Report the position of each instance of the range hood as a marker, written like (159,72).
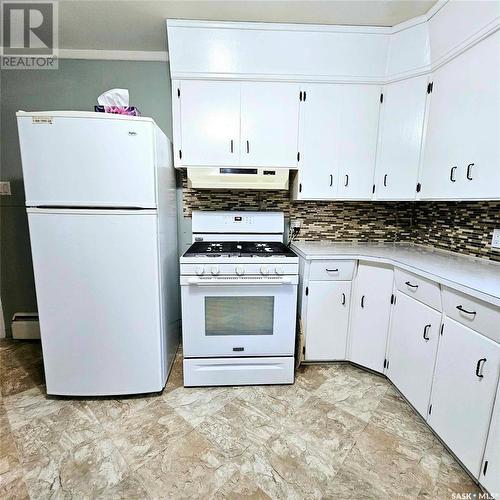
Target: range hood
(237,178)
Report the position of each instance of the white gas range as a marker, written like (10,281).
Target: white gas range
(239,298)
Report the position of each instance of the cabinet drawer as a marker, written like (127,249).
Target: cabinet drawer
(332,270)
(419,288)
(474,313)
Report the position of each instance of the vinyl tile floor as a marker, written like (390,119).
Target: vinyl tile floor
(338,432)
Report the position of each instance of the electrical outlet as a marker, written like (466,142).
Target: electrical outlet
(296,224)
(5,188)
(495,241)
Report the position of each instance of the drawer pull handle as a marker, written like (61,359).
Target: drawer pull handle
(410,285)
(385,180)
(331,180)
(461,309)
(479,367)
(426,331)
(232,146)
(452,174)
(469,171)
(363,301)
(343,299)
(346,180)
(332,270)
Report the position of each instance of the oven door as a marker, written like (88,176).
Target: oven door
(238,317)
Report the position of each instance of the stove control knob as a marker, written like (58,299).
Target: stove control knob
(279,270)
(240,270)
(264,270)
(215,270)
(200,270)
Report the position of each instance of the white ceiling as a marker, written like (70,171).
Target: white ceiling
(140,25)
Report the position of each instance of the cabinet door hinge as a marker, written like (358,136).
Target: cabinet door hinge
(178,92)
(373,188)
(307,290)
(180,154)
(381,97)
(430,409)
(298,156)
(300,187)
(485,467)
(300,95)
(419,187)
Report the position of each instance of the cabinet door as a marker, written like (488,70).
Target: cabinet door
(210,123)
(490,471)
(319,133)
(462,151)
(412,350)
(358,141)
(269,124)
(465,382)
(400,139)
(327,320)
(371,309)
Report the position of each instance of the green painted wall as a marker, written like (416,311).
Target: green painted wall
(74,86)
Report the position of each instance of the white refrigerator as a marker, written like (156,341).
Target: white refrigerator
(101,202)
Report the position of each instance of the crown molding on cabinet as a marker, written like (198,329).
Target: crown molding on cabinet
(113,55)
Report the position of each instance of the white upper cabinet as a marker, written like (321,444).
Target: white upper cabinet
(400,139)
(462,150)
(210,123)
(269,124)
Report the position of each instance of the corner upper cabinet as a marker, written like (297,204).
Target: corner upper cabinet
(400,139)
(462,152)
(231,123)
(209,123)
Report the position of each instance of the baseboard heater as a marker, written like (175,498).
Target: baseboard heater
(25,326)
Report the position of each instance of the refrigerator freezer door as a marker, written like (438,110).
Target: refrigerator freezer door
(87,162)
(97,284)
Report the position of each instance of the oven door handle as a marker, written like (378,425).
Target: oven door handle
(219,282)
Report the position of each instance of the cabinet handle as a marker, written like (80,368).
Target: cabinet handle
(452,174)
(479,367)
(407,283)
(346,180)
(385,180)
(461,309)
(232,149)
(469,171)
(332,270)
(363,301)
(426,331)
(248,146)
(331,180)
(343,299)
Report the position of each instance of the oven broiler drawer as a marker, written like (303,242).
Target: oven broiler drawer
(238,371)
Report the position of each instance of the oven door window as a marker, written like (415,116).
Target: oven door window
(239,316)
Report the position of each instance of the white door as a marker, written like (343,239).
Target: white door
(412,350)
(358,141)
(371,310)
(269,124)
(400,139)
(490,471)
(75,161)
(97,286)
(210,123)
(327,319)
(464,388)
(462,151)
(319,129)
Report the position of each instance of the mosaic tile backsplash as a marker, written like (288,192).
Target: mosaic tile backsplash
(464,227)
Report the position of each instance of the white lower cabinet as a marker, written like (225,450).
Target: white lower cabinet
(464,389)
(371,310)
(490,471)
(327,320)
(412,350)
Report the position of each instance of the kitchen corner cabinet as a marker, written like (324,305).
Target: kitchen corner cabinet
(337,141)
(371,310)
(490,470)
(400,139)
(412,349)
(462,151)
(233,123)
(327,320)
(465,383)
